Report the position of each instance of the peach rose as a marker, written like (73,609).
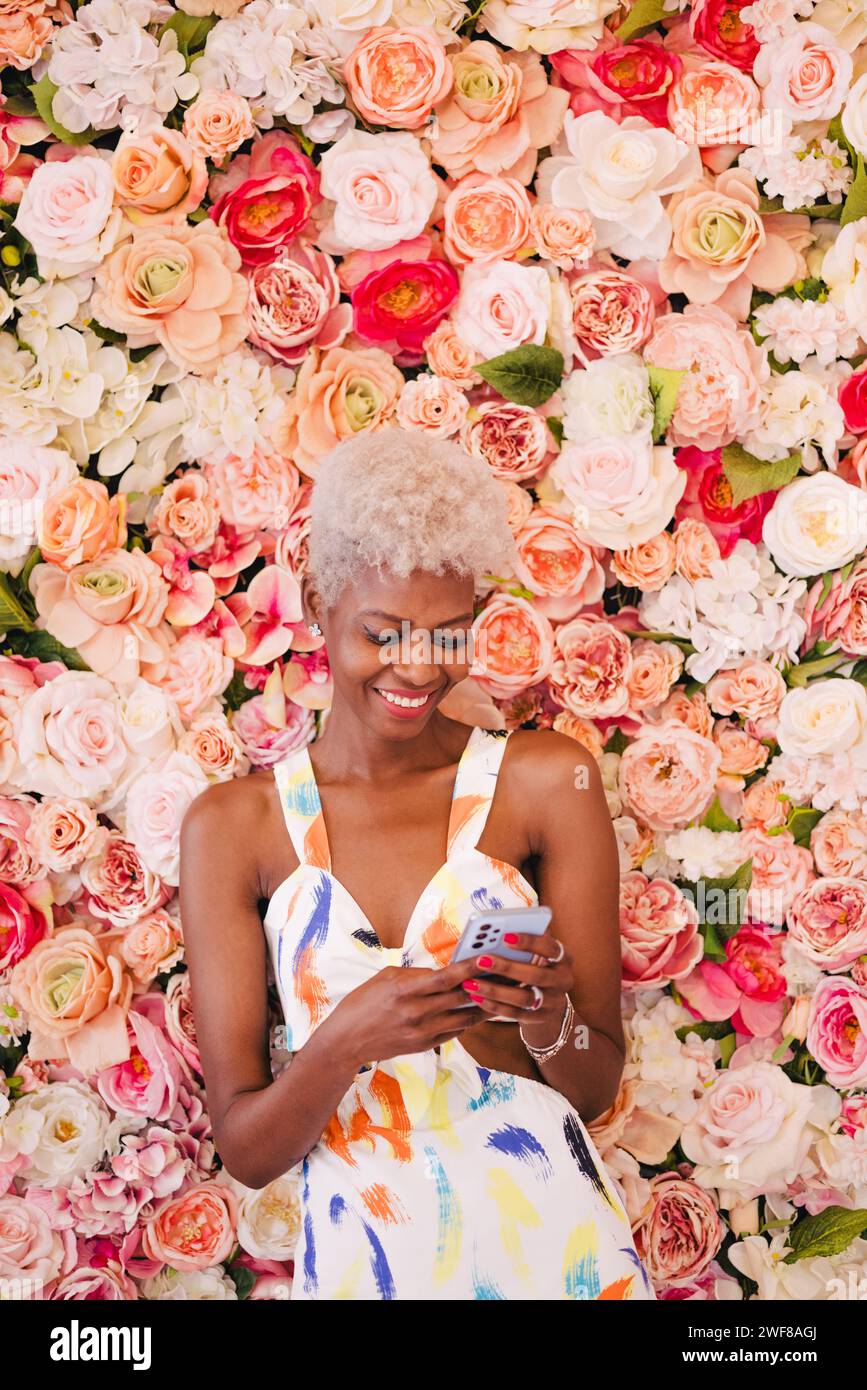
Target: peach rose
(63,831)
(450,357)
(691,710)
(111,610)
(648,565)
(564,236)
(197,670)
(433,404)
(680,1233)
(764,804)
(158,176)
(396,76)
(553,563)
(712,103)
(805,75)
(753,690)
(217,123)
(721,248)
(178,286)
(485,219)
(828,921)
(590,672)
(23,36)
(211,743)
(188,511)
(520,504)
(76,1000)
(584,731)
(196,1230)
(742,754)
(611,312)
(667,775)
(695,549)
(256,492)
(839,843)
(514,646)
(337,394)
(512,439)
(81,522)
(655,668)
(500,113)
(149,947)
(781,868)
(659,935)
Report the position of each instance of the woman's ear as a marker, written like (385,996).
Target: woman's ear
(311,604)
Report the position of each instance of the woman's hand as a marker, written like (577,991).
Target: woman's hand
(402,1010)
(550,972)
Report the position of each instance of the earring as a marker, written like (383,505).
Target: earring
(315,630)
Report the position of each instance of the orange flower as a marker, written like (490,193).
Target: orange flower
(80,523)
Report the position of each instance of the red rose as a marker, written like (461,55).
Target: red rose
(403,303)
(708,497)
(630,79)
(853,401)
(718,27)
(263,215)
(25,916)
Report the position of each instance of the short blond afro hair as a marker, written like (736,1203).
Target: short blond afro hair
(403,501)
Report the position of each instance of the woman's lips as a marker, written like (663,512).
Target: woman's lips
(406,704)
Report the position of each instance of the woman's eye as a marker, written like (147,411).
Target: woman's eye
(450,641)
(380,638)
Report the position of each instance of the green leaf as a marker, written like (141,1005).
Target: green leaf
(664,384)
(713,947)
(32,559)
(243,1279)
(831,211)
(808,670)
(237,693)
(749,476)
(108,335)
(829,1232)
(802,822)
(555,425)
(527,375)
(643,15)
(855,205)
(705,1029)
(191,31)
(726,1048)
(715,818)
(617,742)
(43,95)
(13,614)
(47,648)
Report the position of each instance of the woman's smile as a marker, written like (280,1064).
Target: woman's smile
(406,704)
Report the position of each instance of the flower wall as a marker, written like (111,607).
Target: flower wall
(620,253)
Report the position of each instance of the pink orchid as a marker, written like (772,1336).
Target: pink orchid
(270,613)
(192,592)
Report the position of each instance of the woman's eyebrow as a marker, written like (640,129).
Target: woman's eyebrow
(447,622)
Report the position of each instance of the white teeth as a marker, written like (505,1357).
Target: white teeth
(404,700)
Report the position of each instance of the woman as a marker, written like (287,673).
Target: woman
(437,1111)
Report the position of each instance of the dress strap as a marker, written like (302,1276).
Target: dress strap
(302,809)
(474,790)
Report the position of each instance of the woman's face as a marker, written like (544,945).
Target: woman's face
(397,645)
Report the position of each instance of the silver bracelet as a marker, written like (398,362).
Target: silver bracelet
(544,1054)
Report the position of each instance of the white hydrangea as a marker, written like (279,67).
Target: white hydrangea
(745,607)
(774,19)
(800,172)
(111,70)
(57,380)
(704,853)
(610,396)
(234,411)
(260,53)
(180,1285)
(670,1074)
(795,329)
(799,411)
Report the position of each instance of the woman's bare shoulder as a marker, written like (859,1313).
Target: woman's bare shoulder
(230,813)
(540,759)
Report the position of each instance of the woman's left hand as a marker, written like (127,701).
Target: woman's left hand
(550,972)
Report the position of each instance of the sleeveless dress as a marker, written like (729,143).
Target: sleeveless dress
(436,1177)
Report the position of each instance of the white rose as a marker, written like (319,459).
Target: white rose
(70,742)
(349,14)
(269,1218)
(610,396)
(445,16)
(845,19)
(177,1286)
(844,270)
(855,115)
(149,720)
(619,173)
(825,717)
(29,474)
(63,1129)
(155,807)
(624,489)
(816,524)
(67,215)
(546,25)
(501,306)
(383,188)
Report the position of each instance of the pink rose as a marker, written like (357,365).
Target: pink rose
(781,868)
(117,887)
(383,189)
(681,1231)
(611,313)
(502,305)
(28,474)
(591,665)
(749,987)
(659,935)
(828,921)
(554,564)
(805,75)
(25,918)
(148,1083)
(433,404)
(295,303)
(837,1031)
(486,219)
(667,775)
(264,742)
(711,103)
(67,214)
(839,843)
(29,1247)
(193,1231)
(512,439)
(400,305)
(256,492)
(155,806)
(70,739)
(719,396)
(196,671)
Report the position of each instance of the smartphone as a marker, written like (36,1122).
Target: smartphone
(484,932)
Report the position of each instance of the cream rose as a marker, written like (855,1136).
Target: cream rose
(623,488)
(383,189)
(817,523)
(501,306)
(823,718)
(67,215)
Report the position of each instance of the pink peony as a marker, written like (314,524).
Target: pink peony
(659,935)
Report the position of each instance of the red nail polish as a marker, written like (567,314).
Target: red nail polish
(470,986)
(485,962)
(510,938)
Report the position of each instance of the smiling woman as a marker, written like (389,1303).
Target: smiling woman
(441,1154)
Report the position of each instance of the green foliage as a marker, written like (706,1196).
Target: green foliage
(829,1232)
(528,375)
(749,476)
(643,15)
(664,385)
(43,96)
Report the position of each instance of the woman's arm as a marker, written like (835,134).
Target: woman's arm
(262,1127)
(579,878)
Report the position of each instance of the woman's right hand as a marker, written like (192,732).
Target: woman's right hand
(403,1009)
